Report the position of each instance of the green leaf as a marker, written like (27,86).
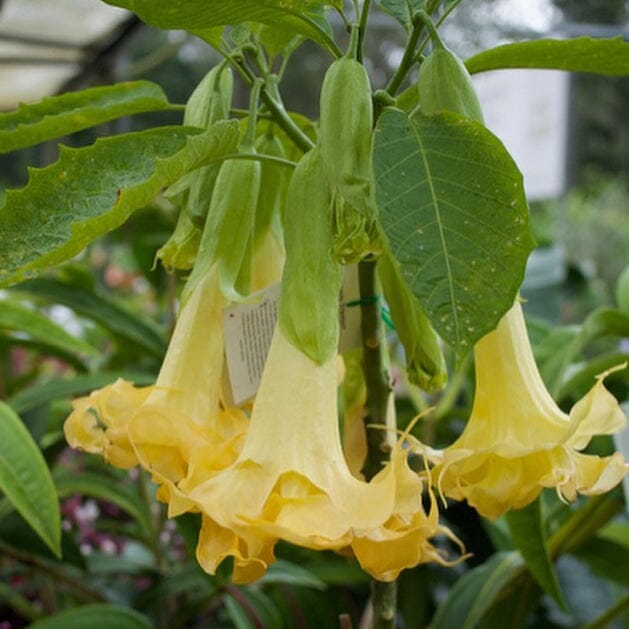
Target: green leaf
(288,573)
(582,376)
(25,479)
(402,10)
(125,324)
(60,388)
(581,54)
(189,581)
(90,191)
(105,488)
(278,39)
(474,593)
(527,533)
(236,613)
(453,207)
(56,116)
(605,558)
(198,15)
(15,316)
(564,345)
(97,616)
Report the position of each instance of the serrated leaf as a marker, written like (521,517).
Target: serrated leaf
(527,533)
(123,323)
(97,616)
(453,207)
(15,316)
(56,116)
(59,388)
(581,54)
(25,479)
(100,486)
(198,15)
(92,190)
(474,593)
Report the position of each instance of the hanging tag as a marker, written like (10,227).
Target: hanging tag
(248,328)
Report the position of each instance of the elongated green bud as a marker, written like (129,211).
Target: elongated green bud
(229,226)
(180,250)
(345,139)
(425,363)
(208,103)
(232,211)
(308,308)
(273,185)
(444,82)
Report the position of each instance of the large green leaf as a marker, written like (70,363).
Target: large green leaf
(453,207)
(25,479)
(16,316)
(120,321)
(582,54)
(199,15)
(527,532)
(58,388)
(60,115)
(97,616)
(474,593)
(92,190)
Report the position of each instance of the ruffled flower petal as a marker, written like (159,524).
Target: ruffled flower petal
(517,440)
(291,482)
(98,422)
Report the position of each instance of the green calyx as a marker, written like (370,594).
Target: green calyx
(308,307)
(444,83)
(425,364)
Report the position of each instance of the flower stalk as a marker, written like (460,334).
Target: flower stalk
(378,385)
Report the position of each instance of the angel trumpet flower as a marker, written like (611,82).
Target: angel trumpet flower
(178,425)
(291,482)
(517,440)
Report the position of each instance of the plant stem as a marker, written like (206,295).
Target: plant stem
(275,107)
(259,157)
(408,59)
(375,370)
(282,118)
(362,28)
(384,603)
(378,385)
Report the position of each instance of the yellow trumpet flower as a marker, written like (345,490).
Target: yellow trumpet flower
(98,422)
(291,482)
(179,429)
(517,440)
(178,426)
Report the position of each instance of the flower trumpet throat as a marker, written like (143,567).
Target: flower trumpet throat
(179,429)
(291,482)
(517,440)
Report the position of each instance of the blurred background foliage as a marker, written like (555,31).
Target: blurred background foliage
(118,546)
